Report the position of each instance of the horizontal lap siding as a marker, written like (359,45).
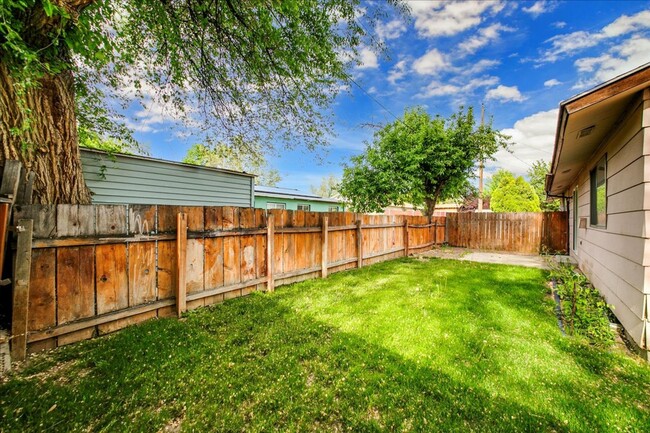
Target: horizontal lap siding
(615,258)
(128,180)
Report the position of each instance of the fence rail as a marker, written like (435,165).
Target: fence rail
(97,268)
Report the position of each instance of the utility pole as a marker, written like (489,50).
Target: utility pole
(480,170)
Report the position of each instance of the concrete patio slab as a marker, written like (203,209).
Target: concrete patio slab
(503,258)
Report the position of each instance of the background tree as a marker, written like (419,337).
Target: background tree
(328,187)
(514,194)
(499,176)
(419,160)
(223,156)
(93,140)
(266,71)
(537,178)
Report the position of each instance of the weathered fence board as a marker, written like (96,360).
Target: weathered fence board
(96,269)
(530,233)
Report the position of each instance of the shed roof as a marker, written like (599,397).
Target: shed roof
(289,193)
(585,121)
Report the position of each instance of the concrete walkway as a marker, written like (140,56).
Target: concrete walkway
(503,258)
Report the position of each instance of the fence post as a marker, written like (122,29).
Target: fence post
(406,238)
(270,237)
(435,233)
(359,245)
(22,274)
(181,252)
(324,248)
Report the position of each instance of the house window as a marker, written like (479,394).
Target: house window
(271,205)
(305,207)
(333,209)
(598,193)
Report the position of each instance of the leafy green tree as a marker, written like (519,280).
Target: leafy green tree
(514,195)
(500,176)
(223,156)
(419,160)
(93,140)
(264,70)
(537,178)
(328,186)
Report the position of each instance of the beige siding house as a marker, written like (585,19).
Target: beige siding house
(601,166)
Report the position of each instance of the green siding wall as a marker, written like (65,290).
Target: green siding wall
(292,204)
(123,179)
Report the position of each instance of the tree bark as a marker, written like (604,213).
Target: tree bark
(50,146)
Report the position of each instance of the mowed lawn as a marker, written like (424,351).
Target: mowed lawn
(407,345)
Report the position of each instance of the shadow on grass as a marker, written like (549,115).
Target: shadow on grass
(258,364)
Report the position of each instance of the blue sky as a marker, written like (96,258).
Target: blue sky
(520,59)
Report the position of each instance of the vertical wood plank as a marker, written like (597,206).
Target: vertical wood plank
(75,220)
(181,248)
(111,220)
(21,298)
(324,248)
(111,279)
(142,219)
(359,245)
(142,273)
(43,215)
(75,289)
(270,254)
(166,275)
(406,237)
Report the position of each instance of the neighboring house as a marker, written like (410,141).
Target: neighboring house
(601,167)
(130,179)
(267,197)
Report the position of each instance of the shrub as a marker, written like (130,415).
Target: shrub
(584,311)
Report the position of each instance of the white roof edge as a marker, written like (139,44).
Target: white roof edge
(166,161)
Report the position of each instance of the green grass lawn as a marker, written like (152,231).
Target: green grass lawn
(407,345)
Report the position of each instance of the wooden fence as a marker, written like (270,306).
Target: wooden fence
(88,270)
(516,232)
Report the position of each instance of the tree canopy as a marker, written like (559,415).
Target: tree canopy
(537,178)
(258,70)
(419,160)
(512,194)
(328,186)
(223,156)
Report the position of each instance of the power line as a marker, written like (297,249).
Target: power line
(376,101)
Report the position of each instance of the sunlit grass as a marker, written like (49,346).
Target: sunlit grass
(407,345)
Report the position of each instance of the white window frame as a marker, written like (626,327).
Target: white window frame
(275,205)
(302,205)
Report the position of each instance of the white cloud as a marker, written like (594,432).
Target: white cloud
(505,94)
(437,88)
(483,37)
(627,24)
(478,67)
(540,7)
(569,44)
(433,19)
(552,83)
(433,62)
(368,59)
(533,138)
(559,24)
(390,30)
(631,54)
(397,72)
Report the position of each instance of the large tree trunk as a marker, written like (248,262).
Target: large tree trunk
(49,147)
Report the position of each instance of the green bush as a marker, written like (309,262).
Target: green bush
(584,311)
